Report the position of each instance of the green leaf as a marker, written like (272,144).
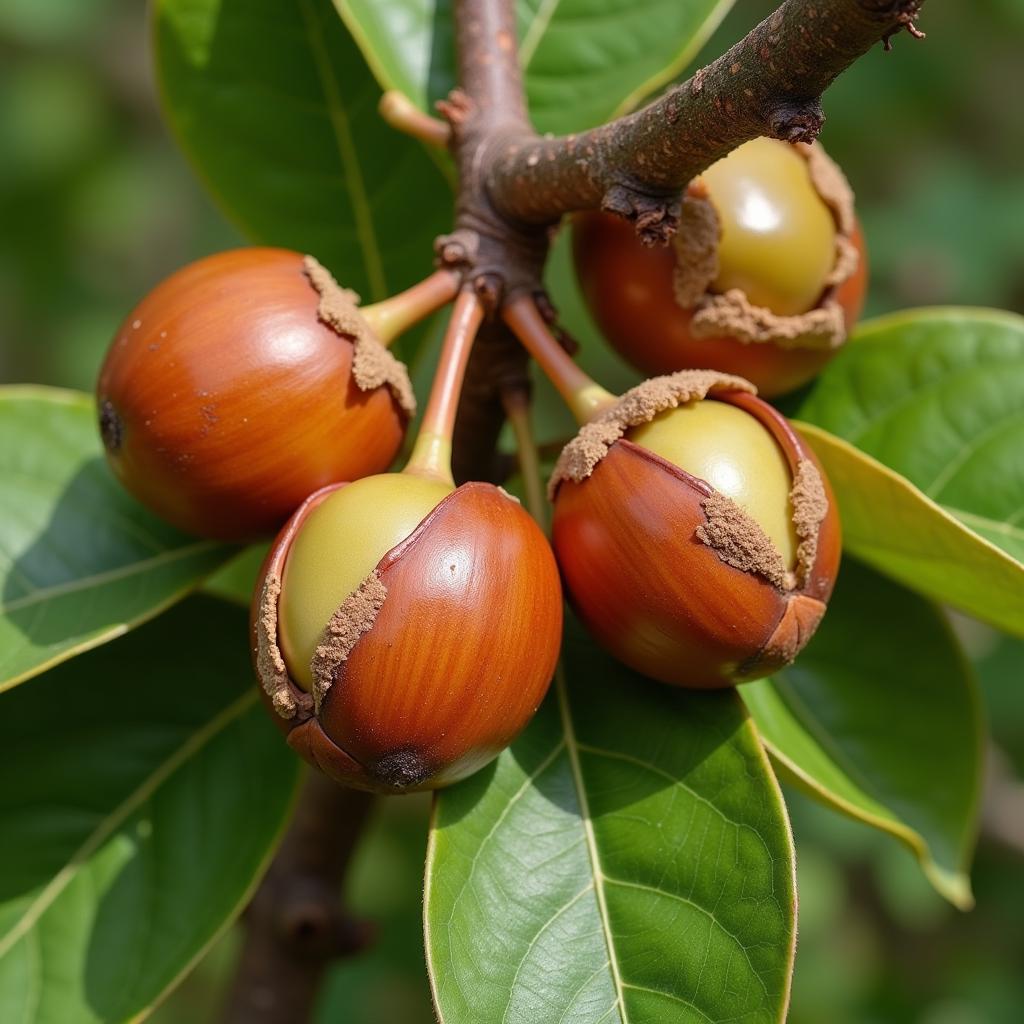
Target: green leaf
(408,44)
(237,580)
(879,718)
(145,790)
(938,396)
(588,61)
(275,106)
(584,61)
(80,561)
(627,859)
(891,525)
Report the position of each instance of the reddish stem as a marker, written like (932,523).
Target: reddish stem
(582,394)
(392,317)
(432,453)
(402,114)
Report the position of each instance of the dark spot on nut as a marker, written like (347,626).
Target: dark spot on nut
(111,427)
(401,769)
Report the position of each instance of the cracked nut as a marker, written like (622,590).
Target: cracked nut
(764,277)
(696,534)
(404,631)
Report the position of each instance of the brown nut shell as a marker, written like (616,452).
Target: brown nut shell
(665,602)
(458,657)
(225,400)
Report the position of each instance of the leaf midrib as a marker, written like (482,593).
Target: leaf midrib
(572,748)
(535,33)
(118,815)
(995,525)
(968,450)
(108,576)
(927,391)
(346,154)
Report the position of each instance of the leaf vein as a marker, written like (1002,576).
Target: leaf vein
(536,938)
(347,154)
(118,815)
(710,914)
(968,451)
(572,745)
(166,557)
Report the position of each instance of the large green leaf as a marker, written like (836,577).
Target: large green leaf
(891,525)
(277,109)
(879,718)
(144,790)
(627,859)
(80,561)
(584,61)
(938,396)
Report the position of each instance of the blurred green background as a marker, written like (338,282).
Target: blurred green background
(97,204)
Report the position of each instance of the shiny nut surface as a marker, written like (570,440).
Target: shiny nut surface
(458,657)
(661,600)
(224,401)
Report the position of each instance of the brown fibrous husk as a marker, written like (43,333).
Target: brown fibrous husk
(810,506)
(287,699)
(638,405)
(373,366)
(696,248)
(354,617)
(738,540)
(831,184)
(732,314)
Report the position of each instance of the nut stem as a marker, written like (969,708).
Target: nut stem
(432,452)
(391,317)
(583,395)
(403,115)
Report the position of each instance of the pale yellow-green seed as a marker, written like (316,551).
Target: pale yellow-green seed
(338,546)
(778,236)
(732,451)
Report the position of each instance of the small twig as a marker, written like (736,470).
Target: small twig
(403,115)
(584,397)
(296,925)
(490,78)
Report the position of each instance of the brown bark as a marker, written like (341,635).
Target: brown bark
(488,60)
(296,925)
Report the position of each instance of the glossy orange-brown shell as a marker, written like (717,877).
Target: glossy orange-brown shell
(653,594)
(458,658)
(629,291)
(233,402)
